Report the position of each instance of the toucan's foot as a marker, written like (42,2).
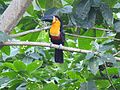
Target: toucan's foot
(51,44)
(60,46)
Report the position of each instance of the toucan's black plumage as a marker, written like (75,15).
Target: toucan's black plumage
(57,35)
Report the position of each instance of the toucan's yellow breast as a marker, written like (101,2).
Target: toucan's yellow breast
(55,28)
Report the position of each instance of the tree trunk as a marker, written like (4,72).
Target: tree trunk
(11,16)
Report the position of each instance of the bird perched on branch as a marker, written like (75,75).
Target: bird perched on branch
(56,34)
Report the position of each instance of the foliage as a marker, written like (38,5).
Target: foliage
(33,68)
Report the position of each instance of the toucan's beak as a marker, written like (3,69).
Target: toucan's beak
(47,18)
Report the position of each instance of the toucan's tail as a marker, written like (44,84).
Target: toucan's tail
(59,56)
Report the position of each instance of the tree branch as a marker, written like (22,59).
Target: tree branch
(29,31)
(12,14)
(48,27)
(109,78)
(74,35)
(44,44)
(101,29)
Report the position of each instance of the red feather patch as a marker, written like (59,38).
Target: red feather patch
(55,37)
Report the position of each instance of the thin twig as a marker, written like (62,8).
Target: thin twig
(116,53)
(44,44)
(74,35)
(29,31)
(109,78)
(101,29)
(45,28)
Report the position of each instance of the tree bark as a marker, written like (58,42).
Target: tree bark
(44,44)
(11,16)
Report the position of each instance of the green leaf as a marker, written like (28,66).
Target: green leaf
(30,9)
(105,48)
(74,75)
(107,14)
(19,65)
(108,58)
(34,86)
(90,85)
(112,71)
(117,26)
(89,22)
(117,87)
(50,86)
(3,6)
(95,3)
(116,42)
(27,23)
(71,43)
(34,65)
(9,65)
(93,66)
(10,74)
(85,43)
(102,84)
(81,8)
(43,36)
(41,3)
(52,11)
(111,3)
(89,56)
(63,67)
(53,3)
(6,50)
(66,9)
(35,56)
(69,1)
(14,83)
(3,82)
(22,86)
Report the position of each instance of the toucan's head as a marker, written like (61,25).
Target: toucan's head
(50,18)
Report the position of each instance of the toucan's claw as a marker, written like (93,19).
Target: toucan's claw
(60,46)
(51,44)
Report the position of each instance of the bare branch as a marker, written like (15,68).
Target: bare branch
(118,53)
(101,29)
(29,31)
(12,14)
(74,35)
(21,43)
(44,44)
(48,27)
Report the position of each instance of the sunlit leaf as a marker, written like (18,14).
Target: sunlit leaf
(6,50)
(50,86)
(9,65)
(34,65)
(19,65)
(34,86)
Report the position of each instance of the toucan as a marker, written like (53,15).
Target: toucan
(56,34)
